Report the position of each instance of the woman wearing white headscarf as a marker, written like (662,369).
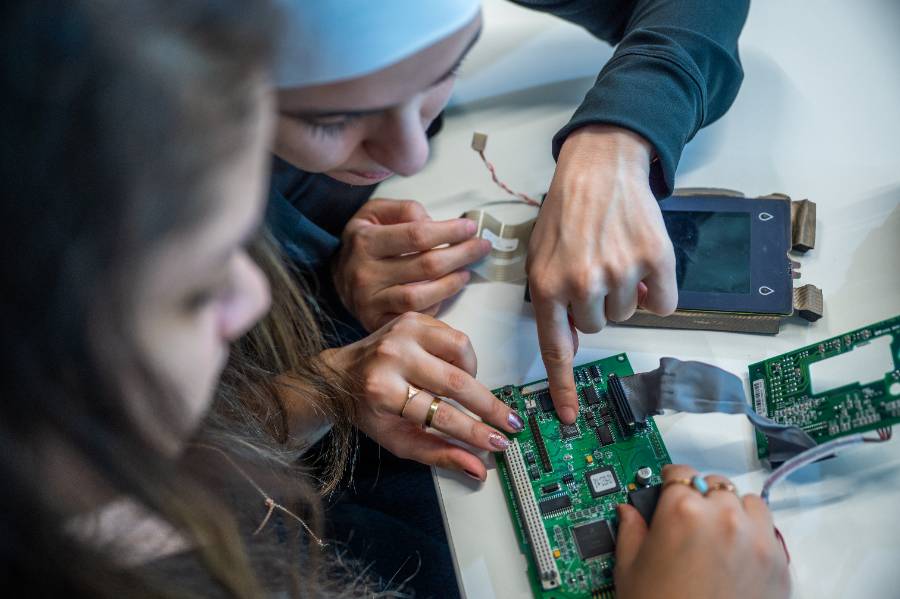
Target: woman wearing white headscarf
(360,85)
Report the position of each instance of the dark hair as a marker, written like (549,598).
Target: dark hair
(113,114)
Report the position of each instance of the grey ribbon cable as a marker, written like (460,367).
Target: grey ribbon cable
(701,388)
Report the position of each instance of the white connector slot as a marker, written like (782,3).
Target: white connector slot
(531,517)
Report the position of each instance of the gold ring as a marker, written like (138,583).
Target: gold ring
(721,486)
(696,482)
(410,393)
(432,410)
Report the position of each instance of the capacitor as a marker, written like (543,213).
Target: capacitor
(643,476)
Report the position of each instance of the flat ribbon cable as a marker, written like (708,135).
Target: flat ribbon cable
(509,246)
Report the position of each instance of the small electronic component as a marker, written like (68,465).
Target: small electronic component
(596,372)
(837,387)
(533,473)
(590,396)
(568,431)
(530,459)
(644,476)
(553,505)
(602,481)
(568,479)
(604,435)
(594,539)
(588,459)
(546,401)
(539,443)
(551,488)
(644,500)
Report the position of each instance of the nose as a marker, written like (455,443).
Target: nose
(399,142)
(250,299)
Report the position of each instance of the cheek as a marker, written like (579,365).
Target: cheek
(297,144)
(435,101)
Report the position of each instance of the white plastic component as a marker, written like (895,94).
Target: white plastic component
(531,518)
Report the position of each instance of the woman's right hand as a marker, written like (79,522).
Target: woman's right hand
(715,546)
(419,351)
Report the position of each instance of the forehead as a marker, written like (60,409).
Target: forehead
(390,86)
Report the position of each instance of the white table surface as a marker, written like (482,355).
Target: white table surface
(818,116)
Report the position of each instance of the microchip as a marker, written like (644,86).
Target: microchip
(594,539)
(534,474)
(568,431)
(644,500)
(595,372)
(546,401)
(530,459)
(552,488)
(588,415)
(568,479)
(555,504)
(602,481)
(604,435)
(590,396)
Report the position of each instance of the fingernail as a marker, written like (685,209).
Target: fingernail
(473,475)
(567,414)
(515,421)
(780,537)
(486,246)
(498,441)
(470,226)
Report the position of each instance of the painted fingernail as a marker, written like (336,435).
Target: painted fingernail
(515,421)
(486,246)
(498,440)
(473,475)
(470,226)
(780,537)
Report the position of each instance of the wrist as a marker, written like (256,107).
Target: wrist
(608,146)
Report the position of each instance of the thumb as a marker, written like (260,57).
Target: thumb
(632,530)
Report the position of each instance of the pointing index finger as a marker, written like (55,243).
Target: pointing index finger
(557,351)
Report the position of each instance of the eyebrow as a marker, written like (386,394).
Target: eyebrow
(314,114)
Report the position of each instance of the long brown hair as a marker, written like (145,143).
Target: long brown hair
(114,116)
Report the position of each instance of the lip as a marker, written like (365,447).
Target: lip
(371,176)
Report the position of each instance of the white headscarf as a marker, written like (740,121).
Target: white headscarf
(323,41)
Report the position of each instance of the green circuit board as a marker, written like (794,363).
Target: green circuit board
(562,483)
(840,386)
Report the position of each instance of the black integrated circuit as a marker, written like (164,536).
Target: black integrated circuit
(553,505)
(594,539)
(569,431)
(591,397)
(539,443)
(624,413)
(595,372)
(603,435)
(545,400)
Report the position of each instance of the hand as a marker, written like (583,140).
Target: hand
(700,547)
(598,243)
(387,264)
(415,349)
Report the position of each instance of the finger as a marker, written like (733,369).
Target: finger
(450,421)
(641,294)
(761,517)
(419,297)
(410,442)
(589,316)
(451,345)
(435,263)
(676,472)
(557,351)
(387,212)
(662,288)
(632,531)
(441,378)
(720,496)
(399,239)
(622,300)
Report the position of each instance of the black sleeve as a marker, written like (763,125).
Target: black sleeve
(675,69)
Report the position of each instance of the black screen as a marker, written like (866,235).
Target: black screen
(712,250)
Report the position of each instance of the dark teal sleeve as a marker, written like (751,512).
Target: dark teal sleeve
(675,69)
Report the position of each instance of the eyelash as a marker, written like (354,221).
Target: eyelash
(332,129)
(209,294)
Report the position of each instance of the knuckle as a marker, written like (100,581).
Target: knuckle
(555,356)
(408,299)
(417,237)
(688,509)
(387,348)
(443,417)
(732,522)
(432,265)
(408,320)
(456,380)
